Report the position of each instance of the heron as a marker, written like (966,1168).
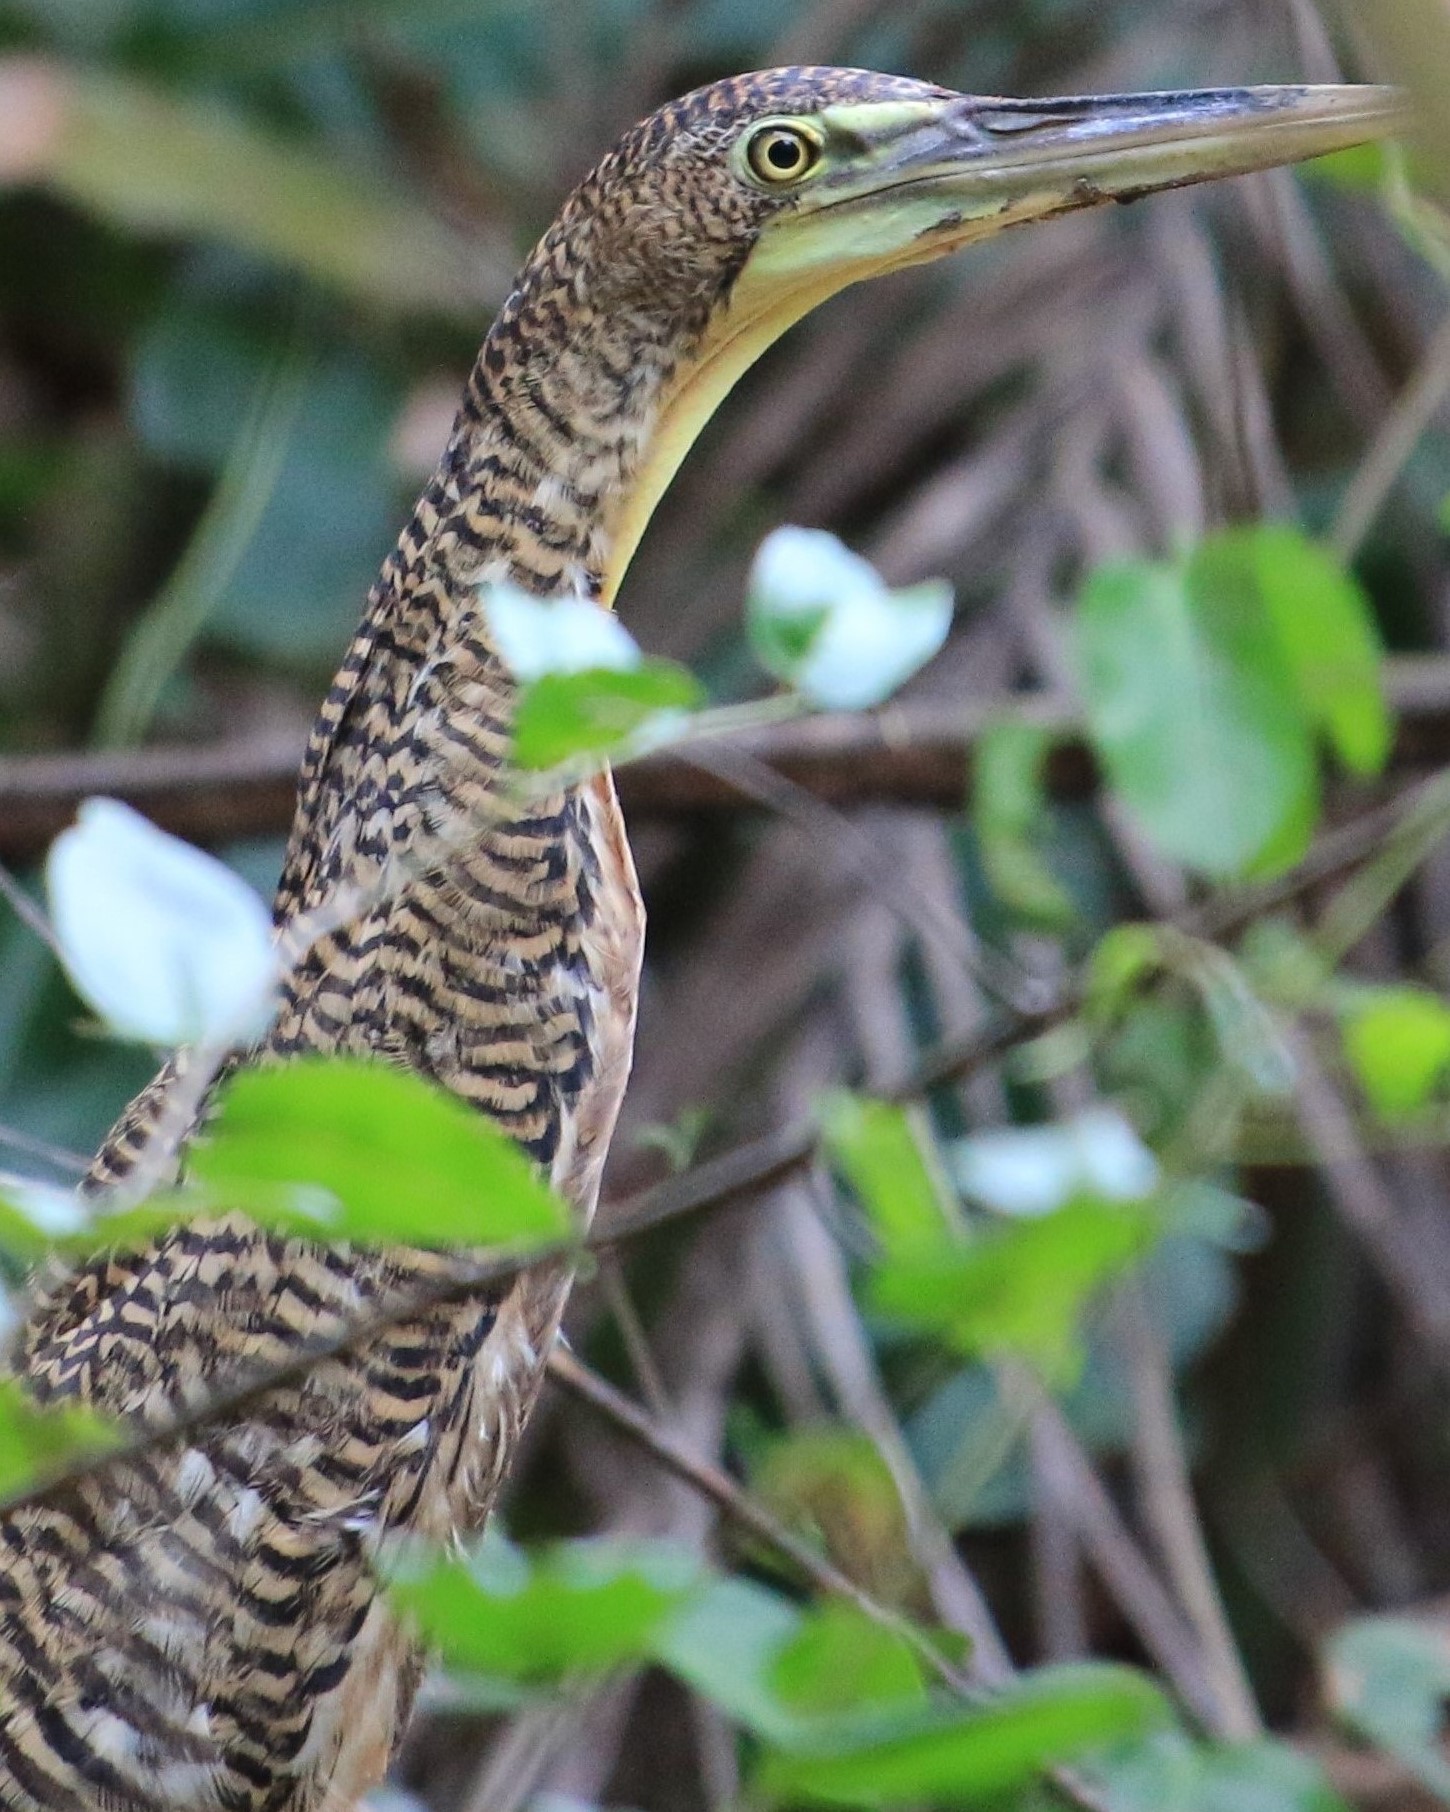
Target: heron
(199,1626)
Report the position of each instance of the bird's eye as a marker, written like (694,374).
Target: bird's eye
(781,154)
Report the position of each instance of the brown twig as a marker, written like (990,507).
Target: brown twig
(26,910)
(1166,1493)
(747,1513)
(1065,1472)
(911,753)
(1364,1200)
(933,922)
(633,1333)
(1389,452)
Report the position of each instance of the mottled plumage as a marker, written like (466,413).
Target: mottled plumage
(199,1629)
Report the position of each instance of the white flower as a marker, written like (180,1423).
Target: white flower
(800,570)
(823,619)
(166,943)
(556,635)
(1035,1170)
(51,1210)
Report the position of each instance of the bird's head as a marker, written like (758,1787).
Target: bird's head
(727,215)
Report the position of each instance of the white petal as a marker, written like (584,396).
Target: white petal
(165,942)
(1113,1160)
(1035,1170)
(1023,1170)
(52,1211)
(870,644)
(799,570)
(556,635)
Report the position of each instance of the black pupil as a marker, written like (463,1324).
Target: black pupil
(783,153)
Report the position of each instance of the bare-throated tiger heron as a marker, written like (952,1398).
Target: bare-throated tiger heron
(198,1628)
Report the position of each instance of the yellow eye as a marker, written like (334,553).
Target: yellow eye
(781,154)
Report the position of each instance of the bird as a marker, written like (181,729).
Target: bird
(198,1626)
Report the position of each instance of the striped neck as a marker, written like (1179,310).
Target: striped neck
(555,424)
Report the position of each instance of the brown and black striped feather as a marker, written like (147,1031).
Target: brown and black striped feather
(198,1629)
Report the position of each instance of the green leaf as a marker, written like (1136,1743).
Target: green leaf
(966,1438)
(34,1217)
(842,1661)
(1398,1042)
(138,157)
(361,1151)
(1326,628)
(130,1229)
(1246,1031)
(886,1154)
(726,1642)
(1363,169)
(37,1219)
(831,1483)
(1171,1773)
(1121,961)
(779,1672)
(36,1443)
(1018,1289)
(1389,1679)
(1009,811)
(960,1755)
(566,715)
(1195,714)
(578,1607)
(1284,964)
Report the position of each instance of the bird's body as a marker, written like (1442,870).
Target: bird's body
(501,958)
(198,1628)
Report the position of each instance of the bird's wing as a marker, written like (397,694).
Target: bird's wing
(227,1603)
(137,1332)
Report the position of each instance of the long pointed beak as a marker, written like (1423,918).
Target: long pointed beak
(919,179)
(1117,147)
(902,182)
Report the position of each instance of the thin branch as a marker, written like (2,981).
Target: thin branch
(162,636)
(1399,434)
(634,1334)
(747,1513)
(1058,1571)
(1419,811)
(56,1156)
(1066,1473)
(26,910)
(241,788)
(931,921)
(827,1315)
(913,753)
(511,1774)
(1169,1509)
(1365,1202)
